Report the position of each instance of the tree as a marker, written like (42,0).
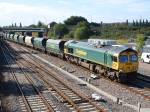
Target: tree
(20,25)
(81,33)
(52,24)
(137,23)
(95,24)
(147,23)
(122,41)
(74,20)
(143,23)
(40,24)
(15,24)
(101,23)
(127,22)
(70,35)
(33,26)
(83,24)
(140,41)
(140,24)
(60,30)
(133,23)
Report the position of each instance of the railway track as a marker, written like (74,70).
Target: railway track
(23,99)
(66,94)
(142,86)
(137,89)
(34,99)
(144,78)
(28,103)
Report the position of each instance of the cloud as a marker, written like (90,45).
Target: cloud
(139,7)
(28,14)
(95,10)
(113,2)
(111,10)
(64,2)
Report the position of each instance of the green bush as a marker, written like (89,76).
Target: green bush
(140,41)
(60,30)
(81,33)
(74,20)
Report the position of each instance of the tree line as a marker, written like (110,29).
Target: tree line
(141,23)
(78,27)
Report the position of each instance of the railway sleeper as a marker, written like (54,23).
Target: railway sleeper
(76,100)
(58,97)
(70,107)
(87,105)
(81,101)
(88,108)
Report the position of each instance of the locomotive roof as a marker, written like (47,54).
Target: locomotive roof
(110,49)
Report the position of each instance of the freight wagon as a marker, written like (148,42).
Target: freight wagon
(21,40)
(40,43)
(16,38)
(55,47)
(29,41)
(11,37)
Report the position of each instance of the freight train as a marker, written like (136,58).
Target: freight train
(117,63)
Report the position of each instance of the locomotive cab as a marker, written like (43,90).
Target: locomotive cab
(128,61)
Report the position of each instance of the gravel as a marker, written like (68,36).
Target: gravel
(106,103)
(8,89)
(82,73)
(101,83)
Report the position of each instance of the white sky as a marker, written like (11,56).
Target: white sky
(30,12)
